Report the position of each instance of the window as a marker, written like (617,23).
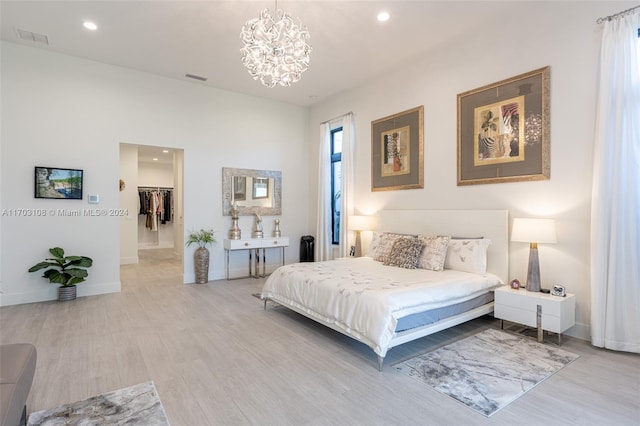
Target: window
(336,183)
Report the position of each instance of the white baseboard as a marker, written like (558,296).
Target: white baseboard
(51,293)
(580,331)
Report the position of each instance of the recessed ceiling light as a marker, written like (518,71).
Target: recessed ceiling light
(155,159)
(383,16)
(165,151)
(90,25)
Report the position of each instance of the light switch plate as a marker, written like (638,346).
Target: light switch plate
(94,199)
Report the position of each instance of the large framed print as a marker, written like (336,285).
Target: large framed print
(397,152)
(53,182)
(503,130)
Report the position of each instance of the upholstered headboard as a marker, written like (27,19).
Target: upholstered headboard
(492,224)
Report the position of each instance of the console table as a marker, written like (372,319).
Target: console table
(254,246)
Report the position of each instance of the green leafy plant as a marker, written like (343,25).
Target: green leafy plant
(65,270)
(202,238)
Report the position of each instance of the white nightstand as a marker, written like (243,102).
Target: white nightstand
(533,309)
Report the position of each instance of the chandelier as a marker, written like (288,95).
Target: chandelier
(275,48)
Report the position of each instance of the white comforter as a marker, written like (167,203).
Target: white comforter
(365,299)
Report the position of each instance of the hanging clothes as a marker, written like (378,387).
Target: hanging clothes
(157,205)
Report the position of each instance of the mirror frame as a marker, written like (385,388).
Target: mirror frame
(227,187)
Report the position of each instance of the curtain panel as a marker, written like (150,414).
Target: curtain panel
(615,212)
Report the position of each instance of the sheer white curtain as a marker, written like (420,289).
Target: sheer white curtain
(346,200)
(323,226)
(615,212)
(324,247)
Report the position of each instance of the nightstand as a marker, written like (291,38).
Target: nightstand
(533,309)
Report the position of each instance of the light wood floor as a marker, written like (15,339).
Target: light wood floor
(218,358)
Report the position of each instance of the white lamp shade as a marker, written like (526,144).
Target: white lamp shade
(533,230)
(360,223)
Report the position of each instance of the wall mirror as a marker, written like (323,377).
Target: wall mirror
(253,191)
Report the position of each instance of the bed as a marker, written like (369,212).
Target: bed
(383,305)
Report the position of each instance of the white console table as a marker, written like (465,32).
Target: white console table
(254,246)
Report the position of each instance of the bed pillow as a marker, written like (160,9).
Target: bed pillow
(405,252)
(373,245)
(469,255)
(434,253)
(383,249)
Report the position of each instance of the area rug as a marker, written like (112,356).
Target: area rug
(135,405)
(489,370)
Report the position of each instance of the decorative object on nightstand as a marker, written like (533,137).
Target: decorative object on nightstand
(533,231)
(558,290)
(276,228)
(359,224)
(234,233)
(515,284)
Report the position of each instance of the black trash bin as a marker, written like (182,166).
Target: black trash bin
(306,248)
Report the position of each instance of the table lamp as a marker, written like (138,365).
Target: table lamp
(533,231)
(359,224)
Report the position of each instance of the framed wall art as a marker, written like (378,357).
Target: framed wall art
(53,182)
(397,152)
(503,131)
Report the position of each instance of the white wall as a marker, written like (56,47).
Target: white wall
(63,111)
(129,202)
(563,36)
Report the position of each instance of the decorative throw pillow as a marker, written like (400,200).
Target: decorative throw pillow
(384,246)
(405,252)
(373,245)
(434,253)
(468,255)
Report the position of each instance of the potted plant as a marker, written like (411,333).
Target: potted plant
(202,238)
(65,270)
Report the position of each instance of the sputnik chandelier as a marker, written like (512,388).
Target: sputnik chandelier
(276,49)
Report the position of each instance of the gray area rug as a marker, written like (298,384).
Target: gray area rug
(489,370)
(135,405)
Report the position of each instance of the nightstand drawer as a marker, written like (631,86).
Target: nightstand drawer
(550,304)
(528,318)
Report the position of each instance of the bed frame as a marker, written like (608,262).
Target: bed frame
(492,224)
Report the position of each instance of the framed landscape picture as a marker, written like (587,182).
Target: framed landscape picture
(503,131)
(52,182)
(397,152)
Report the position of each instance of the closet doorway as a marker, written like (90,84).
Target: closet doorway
(152,235)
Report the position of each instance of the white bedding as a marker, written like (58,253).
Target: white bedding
(365,299)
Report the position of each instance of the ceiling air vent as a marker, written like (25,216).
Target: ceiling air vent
(32,37)
(196,77)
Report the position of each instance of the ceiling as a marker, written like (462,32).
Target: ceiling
(173,38)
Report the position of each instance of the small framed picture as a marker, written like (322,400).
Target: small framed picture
(57,183)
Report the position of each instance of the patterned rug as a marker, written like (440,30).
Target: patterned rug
(135,405)
(489,370)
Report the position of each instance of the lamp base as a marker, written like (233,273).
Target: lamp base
(358,245)
(533,273)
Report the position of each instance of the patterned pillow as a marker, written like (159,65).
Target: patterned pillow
(384,246)
(405,252)
(434,253)
(468,255)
